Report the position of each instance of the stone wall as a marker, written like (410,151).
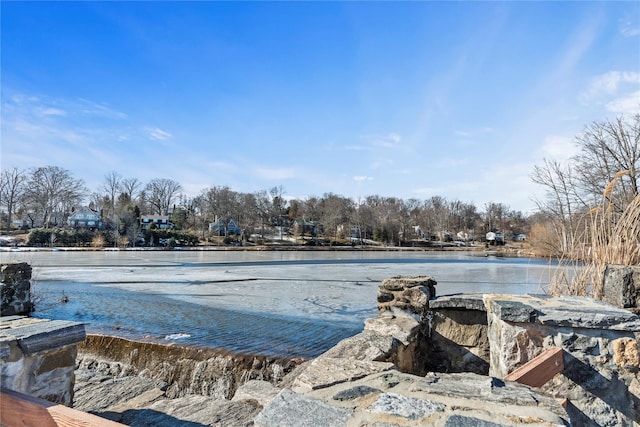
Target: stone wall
(37,356)
(15,287)
(600,343)
(493,335)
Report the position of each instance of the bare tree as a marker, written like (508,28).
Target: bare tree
(561,200)
(336,212)
(112,187)
(131,187)
(278,204)
(437,215)
(608,150)
(52,192)
(12,188)
(161,192)
(220,203)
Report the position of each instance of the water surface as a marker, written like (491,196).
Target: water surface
(278,303)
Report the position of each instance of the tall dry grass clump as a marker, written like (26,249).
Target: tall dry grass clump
(98,241)
(611,236)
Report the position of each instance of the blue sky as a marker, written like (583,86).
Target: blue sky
(406,99)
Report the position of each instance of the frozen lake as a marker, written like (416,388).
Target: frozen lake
(278,303)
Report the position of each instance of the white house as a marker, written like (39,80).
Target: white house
(160,221)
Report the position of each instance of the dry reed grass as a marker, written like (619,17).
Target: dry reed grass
(609,237)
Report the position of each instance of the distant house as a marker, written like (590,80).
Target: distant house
(160,221)
(495,238)
(219,228)
(419,232)
(311,228)
(85,217)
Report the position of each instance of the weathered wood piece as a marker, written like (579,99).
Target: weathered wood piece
(21,410)
(537,371)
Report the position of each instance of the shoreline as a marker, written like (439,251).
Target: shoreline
(503,251)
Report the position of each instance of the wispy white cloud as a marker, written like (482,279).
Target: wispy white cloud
(629,25)
(157,133)
(610,83)
(96,109)
(362,178)
(627,105)
(50,111)
(78,135)
(376,141)
(559,148)
(615,91)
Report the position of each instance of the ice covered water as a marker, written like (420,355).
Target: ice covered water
(278,303)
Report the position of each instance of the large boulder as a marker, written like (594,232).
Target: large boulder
(621,286)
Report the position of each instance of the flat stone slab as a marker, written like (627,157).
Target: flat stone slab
(327,371)
(35,335)
(563,311)
(459,301)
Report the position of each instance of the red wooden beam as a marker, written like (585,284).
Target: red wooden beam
(537,371)
(21,410)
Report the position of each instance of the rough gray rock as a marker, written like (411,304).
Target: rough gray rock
(405,407)
(562,311)
(261,391)
(364,346)
(194,410)
(513,311)
(15,289)
(395,398)
(411,294)
(355,393)
(98,397)
(327,371)
(402,328)
(462,421)
(459,301)
(621,286)
(290,409)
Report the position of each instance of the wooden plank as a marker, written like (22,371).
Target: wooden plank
(20,410)
(537,371)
